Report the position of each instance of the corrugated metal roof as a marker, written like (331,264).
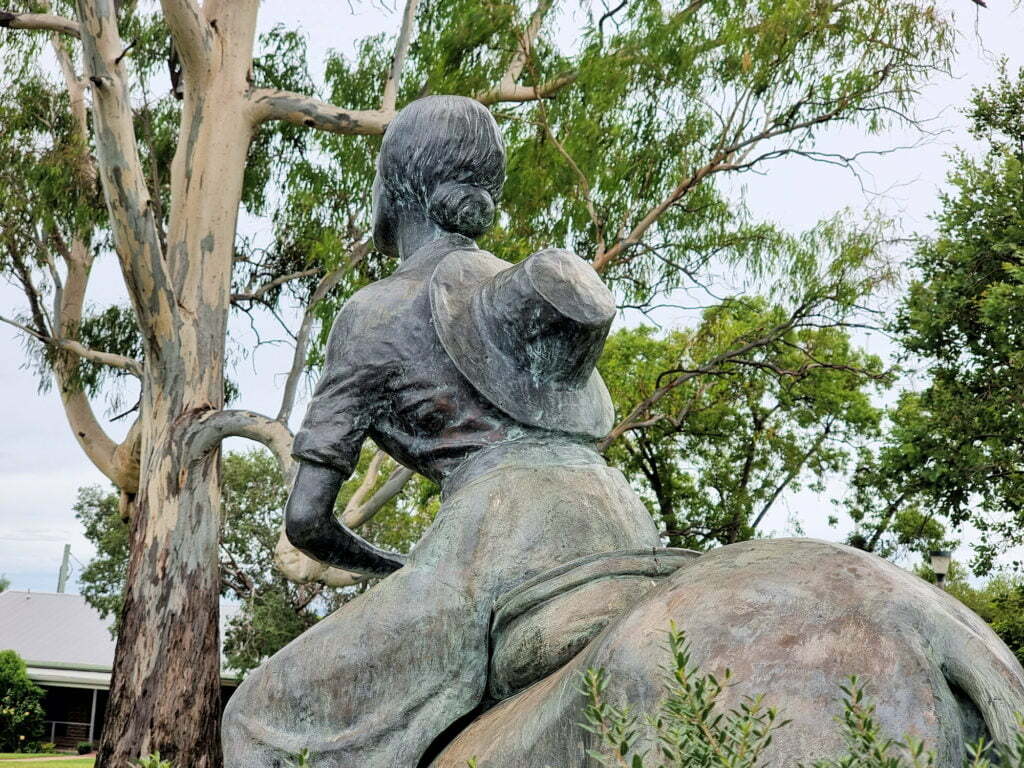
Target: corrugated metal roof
(45,627)
(62,631)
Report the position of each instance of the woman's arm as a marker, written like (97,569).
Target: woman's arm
(313,528)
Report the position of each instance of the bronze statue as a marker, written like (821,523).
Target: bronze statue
(542,561)
(479,375)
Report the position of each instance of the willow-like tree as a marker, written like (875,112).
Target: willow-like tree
(620,122)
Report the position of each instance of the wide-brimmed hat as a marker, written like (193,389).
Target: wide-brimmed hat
(528,336)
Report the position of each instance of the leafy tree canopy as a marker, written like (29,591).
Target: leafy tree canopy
(272,610)
(719,451)
(955,451)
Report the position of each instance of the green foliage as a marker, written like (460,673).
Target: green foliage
(4,582)
(638,121)
(102,580)
(718,451)
(272,610)
(688,729)
(869,747)
(655,92)
(84,747)
(154,761)
(648,109)
(955,450)
(21,711)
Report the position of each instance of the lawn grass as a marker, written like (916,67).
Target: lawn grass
(46,761)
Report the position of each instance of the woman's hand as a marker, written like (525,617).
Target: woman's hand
(313,528)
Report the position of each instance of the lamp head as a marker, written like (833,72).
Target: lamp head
(940,561)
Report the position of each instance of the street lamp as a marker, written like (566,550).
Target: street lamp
(941,559)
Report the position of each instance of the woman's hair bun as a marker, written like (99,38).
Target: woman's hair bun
(463,208)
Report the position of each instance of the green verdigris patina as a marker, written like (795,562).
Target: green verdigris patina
(542,561)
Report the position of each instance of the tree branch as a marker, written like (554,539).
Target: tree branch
(191,34)
(77,348)
(297,109)
(520,93)
(794,472)
(722,160)
(525,47)
(132,219)
(206,432)
(641,409)
(507,88)
(327,284)
(258,293)
(391,488)
(394,81)
(368,481)
(40,21)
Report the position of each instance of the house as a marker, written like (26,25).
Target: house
(70,653)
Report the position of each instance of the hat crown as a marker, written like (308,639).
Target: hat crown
(528,336)
(550,314)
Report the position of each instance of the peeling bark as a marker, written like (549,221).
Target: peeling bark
(168,644)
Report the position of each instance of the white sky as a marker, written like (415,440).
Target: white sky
(41,465)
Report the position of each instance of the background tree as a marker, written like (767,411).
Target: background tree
(272,609)
(4,583)
(955,450)
(617,140)
(719,451)
(21,711)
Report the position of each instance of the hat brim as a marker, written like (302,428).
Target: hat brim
(585,410)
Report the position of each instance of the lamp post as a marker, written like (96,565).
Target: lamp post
(941,558)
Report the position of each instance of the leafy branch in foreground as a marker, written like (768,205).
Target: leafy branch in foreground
(691,730)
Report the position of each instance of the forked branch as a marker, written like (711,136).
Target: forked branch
(192,36)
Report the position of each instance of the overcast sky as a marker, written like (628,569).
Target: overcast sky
(41,465)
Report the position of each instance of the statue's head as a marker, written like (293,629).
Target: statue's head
(442,161)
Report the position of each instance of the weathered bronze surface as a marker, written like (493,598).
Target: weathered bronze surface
(479,375)
(542,561)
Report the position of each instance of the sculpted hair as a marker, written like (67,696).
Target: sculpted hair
(445,156)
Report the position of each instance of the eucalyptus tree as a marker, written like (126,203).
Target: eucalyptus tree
(620,123)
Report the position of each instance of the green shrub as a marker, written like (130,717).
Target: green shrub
(21,711)
(691,731)
(84,747)
(154,761)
